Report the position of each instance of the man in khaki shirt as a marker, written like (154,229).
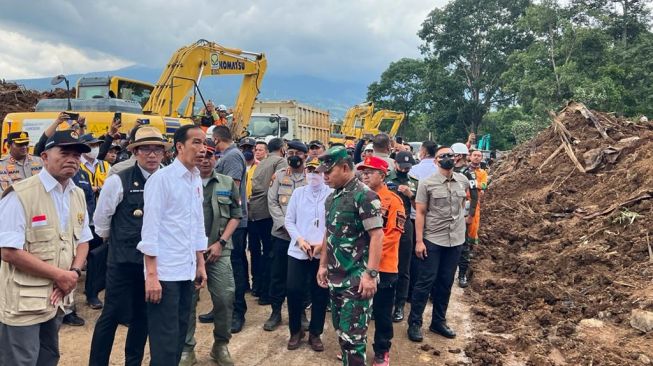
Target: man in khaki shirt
(440,234)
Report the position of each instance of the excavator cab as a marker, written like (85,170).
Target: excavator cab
(114,87)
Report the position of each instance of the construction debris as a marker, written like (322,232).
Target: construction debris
(15,98)
(554,251)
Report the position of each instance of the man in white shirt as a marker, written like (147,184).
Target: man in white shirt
(119,220)
(44,238)
(173,242)
(426,166)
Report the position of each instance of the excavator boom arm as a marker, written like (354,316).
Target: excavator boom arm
(189,64)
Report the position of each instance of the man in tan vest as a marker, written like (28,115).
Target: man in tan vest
(44,238)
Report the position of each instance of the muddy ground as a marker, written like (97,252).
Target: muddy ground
(254,346)
(564,258)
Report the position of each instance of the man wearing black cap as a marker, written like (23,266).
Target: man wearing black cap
(44,238)
(18,165)
(315,149)
(400,182)
(283,184)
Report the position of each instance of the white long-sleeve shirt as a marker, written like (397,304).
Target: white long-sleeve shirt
(173,221)
(305,218)
(12,224)
(422,170)
(110,197)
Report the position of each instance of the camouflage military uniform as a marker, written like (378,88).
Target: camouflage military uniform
(463,263)
(351,211)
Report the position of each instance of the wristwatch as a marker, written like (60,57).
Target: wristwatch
(222,242)
(78,271)
(372,272)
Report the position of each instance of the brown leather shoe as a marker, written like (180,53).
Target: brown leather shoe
(295,340)
(316,343)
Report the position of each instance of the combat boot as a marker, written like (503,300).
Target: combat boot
(220,354)
(187,358)
(273,322)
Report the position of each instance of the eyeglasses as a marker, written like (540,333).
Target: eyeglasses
(444,156)
(158,151)
(369,171)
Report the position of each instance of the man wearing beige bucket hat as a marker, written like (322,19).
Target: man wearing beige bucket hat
(119,219)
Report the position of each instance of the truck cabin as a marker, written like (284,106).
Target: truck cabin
(265,125)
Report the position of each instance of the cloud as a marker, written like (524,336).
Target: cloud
(346,40)
(22,57)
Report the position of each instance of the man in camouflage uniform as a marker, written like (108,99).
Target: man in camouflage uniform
(18,164)
(350,257)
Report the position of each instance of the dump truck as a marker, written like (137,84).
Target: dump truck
(289,120)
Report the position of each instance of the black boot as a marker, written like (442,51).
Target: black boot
(415,333)
(398,314)
(462,281)
(73,319)
(206,318)
(237,323)
(273,322)
(442,329)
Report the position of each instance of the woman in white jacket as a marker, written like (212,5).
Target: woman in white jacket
(305,222)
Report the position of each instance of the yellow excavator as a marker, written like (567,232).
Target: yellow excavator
(166,105)
(361,121)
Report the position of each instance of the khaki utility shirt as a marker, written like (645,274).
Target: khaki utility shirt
(444,198)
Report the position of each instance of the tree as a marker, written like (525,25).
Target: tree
(401,88)
(468,43)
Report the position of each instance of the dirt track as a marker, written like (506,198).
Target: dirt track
(254,346)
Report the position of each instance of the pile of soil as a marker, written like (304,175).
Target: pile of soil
(561,263)
(15,98)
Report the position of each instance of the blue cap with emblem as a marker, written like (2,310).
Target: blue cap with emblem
(66,139)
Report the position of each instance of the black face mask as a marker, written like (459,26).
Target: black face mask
(446,163)
(402,175)
(295,162)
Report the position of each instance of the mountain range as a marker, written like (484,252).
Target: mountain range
(332,95)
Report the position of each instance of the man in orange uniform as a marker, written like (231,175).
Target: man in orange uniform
(481,184)
(374,171)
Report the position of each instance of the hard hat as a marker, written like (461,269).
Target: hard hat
(460,148)
(222,108)
(369,147)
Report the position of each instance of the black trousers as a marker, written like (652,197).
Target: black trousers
(124,303)
(414,266)
(436,274)
(260,245)
(96,266)
(406,250)
(239,265)
(382,311)
(167,322)
(302,275)
(279,272)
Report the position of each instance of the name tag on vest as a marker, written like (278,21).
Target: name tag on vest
(223,193)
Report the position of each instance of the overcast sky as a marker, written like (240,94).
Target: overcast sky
(351,40)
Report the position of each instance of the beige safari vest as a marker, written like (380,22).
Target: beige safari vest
(24,298)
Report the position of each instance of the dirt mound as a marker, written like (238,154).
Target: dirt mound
(563,241)
(15,98)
